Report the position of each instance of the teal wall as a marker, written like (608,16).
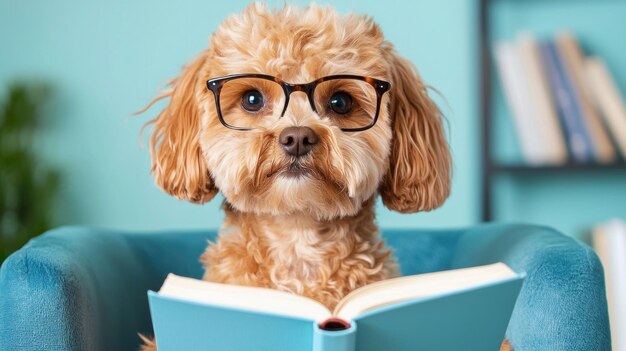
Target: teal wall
(108,59)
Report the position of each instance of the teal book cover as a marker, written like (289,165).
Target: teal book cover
(473,318)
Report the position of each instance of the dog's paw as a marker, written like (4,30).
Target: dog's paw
(148,343)
(506,346)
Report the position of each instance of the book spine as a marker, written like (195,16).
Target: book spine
(608,99)
(516,92)
(547,120)
(609,241)
(578,138)
(339,340)
(572,57)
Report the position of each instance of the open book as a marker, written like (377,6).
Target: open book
(458,309)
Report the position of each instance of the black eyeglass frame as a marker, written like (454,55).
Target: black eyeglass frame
(216,84)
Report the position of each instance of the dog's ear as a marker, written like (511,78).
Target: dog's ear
(177,162)
(418,178)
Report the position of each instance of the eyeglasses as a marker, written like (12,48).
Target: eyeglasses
(250,101)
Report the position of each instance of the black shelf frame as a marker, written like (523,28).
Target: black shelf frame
(489,168)
(568,167)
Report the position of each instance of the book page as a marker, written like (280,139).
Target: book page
(244,298)
(401,289)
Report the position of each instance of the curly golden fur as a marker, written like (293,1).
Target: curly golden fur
(313,235)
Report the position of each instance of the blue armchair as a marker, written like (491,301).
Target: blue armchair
(85,289)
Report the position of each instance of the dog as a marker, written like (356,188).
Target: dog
(300,118)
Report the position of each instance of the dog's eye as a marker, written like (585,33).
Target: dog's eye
(252,100)
(340,103)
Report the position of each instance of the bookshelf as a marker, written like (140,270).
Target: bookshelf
(542,18)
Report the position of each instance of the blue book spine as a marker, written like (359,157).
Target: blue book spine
(569,110)
(339,340)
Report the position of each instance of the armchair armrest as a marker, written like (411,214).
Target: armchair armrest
(562,305)
(85,289)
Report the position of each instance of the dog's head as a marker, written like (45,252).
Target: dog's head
(322,153)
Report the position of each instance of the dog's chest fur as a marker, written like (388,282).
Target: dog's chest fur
(323,261)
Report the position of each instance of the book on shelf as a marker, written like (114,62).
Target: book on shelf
(462,309)
(516,91)
(563,104)
(547,121)
(608,99)
(609,241)
(566,101)
(572,59)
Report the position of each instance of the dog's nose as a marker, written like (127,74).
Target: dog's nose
(297,141)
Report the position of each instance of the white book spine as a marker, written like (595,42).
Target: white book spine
(516,92)
(548,126)
(609,241)
(608,100)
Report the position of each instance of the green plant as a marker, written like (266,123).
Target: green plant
(27,189)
